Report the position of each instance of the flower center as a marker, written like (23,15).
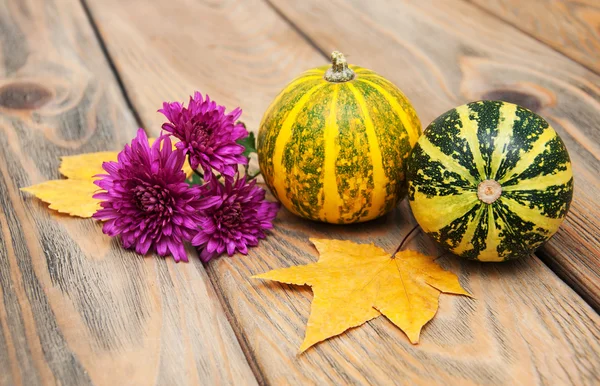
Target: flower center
(230,217)
(154,199)
(201,138)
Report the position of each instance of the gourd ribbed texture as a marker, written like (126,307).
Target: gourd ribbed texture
(335,152)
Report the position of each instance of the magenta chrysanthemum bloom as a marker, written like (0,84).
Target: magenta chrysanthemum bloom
(146,199)
(207,134)
(236,217)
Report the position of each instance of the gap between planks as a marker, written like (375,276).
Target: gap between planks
(298,30)
(113,67)
(531,35)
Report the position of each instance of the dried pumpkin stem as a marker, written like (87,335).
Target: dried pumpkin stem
(339,71)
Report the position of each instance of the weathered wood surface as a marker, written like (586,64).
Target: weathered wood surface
(569,26)
(76,308)
(526,325)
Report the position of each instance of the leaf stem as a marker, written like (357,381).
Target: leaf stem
(198,173)
(252,176)
(404,240)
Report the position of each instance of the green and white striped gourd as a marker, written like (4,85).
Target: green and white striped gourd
(490,181)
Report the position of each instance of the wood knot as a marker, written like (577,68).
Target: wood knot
(528,101)
(24,96)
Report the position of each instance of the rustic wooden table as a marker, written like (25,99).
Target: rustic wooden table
(81,76)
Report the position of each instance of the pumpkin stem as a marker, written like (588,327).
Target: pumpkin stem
(489,191)
(339,71)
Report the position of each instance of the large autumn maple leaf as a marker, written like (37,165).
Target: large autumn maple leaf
(353,283)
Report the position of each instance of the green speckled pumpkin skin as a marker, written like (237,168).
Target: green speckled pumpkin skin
(335,151)
(517,153)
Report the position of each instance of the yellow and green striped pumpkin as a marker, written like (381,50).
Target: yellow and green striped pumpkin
(333,143)
(490,181)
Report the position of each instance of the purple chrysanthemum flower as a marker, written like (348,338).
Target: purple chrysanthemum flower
(236,217)
(207,134)
(146,199)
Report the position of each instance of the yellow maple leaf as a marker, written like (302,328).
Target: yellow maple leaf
(85,166)
(353,283)
(74,195)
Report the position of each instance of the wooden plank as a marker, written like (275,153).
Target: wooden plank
(76,308)
(526,326)
(569,26)
(192,49)
(480,58)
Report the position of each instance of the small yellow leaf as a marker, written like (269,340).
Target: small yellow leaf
(73,197)
(85,166)
(187,169)
(353,283)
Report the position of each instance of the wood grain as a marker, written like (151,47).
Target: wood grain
(191,49)
(569,26)
(526,326)
(443,54)
(76,308)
